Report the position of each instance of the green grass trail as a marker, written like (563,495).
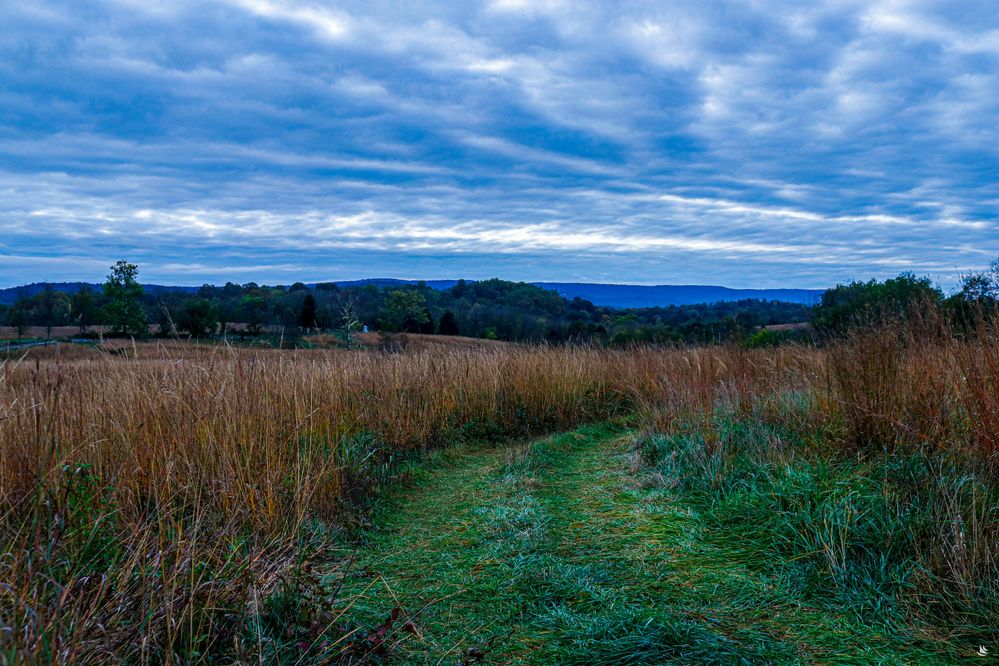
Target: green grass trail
(555,552)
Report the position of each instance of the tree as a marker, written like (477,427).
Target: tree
(253,309)
(124,293)
(977,302)
(307,315)
(208,291)
(448,325)
(198,317)
(19,316)
(981,287)
(418,322)
(287,312)
(164,320)
(83,307)
(51,308)
(862,303)
(346,307)
(403,307)
(428,327)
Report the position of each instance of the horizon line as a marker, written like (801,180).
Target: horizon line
(428,280)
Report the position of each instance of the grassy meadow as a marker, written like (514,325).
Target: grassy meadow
(185,503)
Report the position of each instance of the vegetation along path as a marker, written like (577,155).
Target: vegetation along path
(557,552)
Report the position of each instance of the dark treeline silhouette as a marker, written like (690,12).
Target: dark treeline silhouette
(491,309)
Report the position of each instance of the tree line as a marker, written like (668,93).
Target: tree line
(909,297)
(490,309)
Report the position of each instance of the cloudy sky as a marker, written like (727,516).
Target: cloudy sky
(744,142)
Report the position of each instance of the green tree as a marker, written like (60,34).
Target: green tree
(253,310)
(20,316)
(448,325)
(124,293)
(164,320)
(977,302)
(198,317)
(307,314)
(403,307)
(51,308)
(427,327)
(863,303)
(982,287)
(83,308)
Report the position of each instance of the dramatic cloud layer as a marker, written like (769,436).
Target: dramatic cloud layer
(777,143)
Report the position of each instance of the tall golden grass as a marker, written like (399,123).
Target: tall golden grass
(153,497)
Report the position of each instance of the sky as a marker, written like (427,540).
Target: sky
(752,143)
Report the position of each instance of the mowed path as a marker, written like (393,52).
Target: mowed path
(555,553)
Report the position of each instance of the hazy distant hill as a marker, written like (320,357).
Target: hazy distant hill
(10,295)
(635,296)
(612,295)
(388,282)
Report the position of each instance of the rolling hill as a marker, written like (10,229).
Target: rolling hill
(639,296)
(610,295)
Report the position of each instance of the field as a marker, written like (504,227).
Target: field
(501,503)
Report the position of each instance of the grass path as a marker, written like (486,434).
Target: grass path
(555,552)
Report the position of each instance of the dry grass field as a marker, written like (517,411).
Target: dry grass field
(156,497)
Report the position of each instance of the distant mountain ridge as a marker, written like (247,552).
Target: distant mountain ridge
(641,296)
(609,295)
(10,295)
(635,296)
(439,285)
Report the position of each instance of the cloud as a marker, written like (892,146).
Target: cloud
(327,23)
(759,144)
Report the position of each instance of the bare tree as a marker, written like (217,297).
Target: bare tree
(346,308)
